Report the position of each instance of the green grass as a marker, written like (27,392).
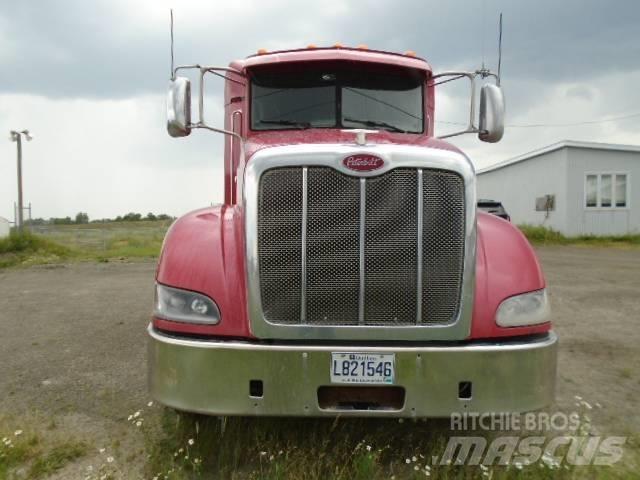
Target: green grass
(318,449)
(540,235)
(56,459)
(29,449)
(26,248)
(93,242)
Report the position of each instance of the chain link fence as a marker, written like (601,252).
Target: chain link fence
(105,236)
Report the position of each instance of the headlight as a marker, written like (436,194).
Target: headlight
(185,306)
(527,309)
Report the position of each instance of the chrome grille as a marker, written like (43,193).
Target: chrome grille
(335,249)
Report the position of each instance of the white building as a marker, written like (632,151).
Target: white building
(576,188)
(5,227)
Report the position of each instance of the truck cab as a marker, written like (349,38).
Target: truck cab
(348,270)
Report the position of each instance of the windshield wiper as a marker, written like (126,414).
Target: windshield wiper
(375,123)
(292,123)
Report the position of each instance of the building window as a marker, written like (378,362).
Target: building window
(621,191)
(606,190)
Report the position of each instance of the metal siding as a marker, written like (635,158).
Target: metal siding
(518,185)
(602,221)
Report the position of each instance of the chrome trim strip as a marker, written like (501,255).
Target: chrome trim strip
(419,253)
(303,280)
(504,345)
(332,155)
(363,213)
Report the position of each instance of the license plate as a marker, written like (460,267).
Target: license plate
(365,368)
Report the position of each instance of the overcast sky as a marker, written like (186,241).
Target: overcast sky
(89,79)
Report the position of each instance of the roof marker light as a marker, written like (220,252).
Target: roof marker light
(337,45)
(311,46)
(262,51)
(410,53)
(362,46)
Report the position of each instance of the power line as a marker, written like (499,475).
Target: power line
(540,125)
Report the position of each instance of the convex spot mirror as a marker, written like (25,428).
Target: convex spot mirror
(179,107)
(491,124)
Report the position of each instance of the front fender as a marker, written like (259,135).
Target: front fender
(506,265)
(203,252)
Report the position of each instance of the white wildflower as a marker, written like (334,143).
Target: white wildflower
(109,459)
(150,404)
(414,459)
(139,423)
(578,397)
(416,468)
(17,433)
(191,441)
(368,448)
(137,414)
(262,454)
(407,461)
(101,450)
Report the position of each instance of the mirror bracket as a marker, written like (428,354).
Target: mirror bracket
(456,75)
(200,123)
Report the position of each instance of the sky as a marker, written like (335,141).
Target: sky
(89,80)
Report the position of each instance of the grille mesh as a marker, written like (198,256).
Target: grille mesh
(333,252)
(442,245)
(333,247)
(391,245)
(280,244)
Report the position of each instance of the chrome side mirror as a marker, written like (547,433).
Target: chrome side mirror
(491,122)
(179,107)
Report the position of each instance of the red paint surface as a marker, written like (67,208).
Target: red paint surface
(506,265)
(204,250)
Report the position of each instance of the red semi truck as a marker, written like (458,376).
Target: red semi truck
(348,270)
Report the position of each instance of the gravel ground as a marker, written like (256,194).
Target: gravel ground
(73,342)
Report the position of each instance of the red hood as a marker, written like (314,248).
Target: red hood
(276,138)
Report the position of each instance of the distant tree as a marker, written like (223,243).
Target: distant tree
(82,217)
(164,216)
(150,216)
(61,221)
(35,221)
(132,217)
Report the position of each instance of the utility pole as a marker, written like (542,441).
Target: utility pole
(17,137)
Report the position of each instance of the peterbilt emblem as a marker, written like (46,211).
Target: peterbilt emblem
(363,162)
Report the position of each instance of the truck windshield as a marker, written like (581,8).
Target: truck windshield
(337,98)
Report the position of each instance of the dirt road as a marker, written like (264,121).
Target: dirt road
(72,341)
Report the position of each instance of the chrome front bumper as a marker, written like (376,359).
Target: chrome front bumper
(213,377)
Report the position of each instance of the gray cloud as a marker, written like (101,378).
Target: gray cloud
(89,78)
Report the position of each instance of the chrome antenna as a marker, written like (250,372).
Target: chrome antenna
(171,14)
(499,48)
